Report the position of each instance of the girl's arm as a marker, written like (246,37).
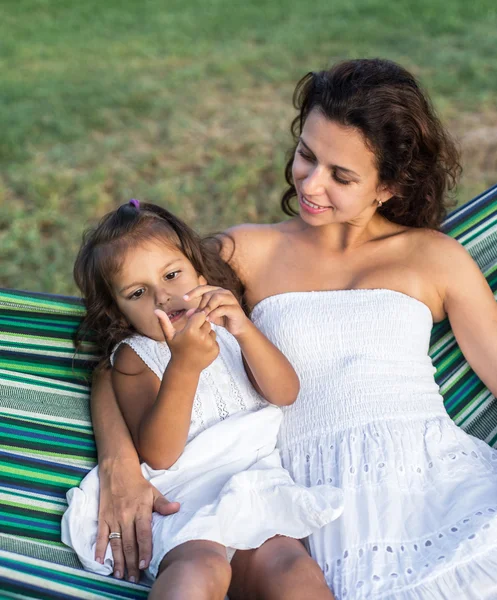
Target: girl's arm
(472,311)
(268,369)
(127,499)
(158,414)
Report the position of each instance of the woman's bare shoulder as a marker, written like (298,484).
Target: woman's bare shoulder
(436,245)
(444,258)
(251,239)
(244,246)
(250,232)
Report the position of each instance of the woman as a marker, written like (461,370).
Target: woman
(348,289)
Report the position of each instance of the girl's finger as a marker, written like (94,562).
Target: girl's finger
(200,291)
(222,311)
(166,325)
(206,327)
(196,320)
(216,299)
(204,301)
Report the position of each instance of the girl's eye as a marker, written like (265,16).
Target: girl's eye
(138,294)
(172,275)
(340,180)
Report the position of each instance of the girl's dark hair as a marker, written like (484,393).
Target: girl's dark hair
(102,254)
(415,156)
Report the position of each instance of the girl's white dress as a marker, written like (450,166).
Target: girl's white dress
(420,495)
(229,479)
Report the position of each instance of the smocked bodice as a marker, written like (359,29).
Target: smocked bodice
(361,355)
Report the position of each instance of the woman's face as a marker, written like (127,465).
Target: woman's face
(335,174)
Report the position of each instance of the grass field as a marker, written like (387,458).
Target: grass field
(188,104)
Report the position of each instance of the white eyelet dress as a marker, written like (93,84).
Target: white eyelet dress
(229,479)
(420,495)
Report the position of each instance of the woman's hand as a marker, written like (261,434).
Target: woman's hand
(221,308)
(127,501)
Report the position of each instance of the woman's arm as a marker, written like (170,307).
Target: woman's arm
(114,443)
(472,311)
(127,499)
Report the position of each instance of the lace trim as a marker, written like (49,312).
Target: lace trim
(220,403)
(235,389)
(197,421)
(145,348)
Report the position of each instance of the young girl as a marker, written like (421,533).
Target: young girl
(199,387)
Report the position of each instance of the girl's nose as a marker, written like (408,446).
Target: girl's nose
(162,298)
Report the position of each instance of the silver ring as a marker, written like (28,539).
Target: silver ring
(115,535)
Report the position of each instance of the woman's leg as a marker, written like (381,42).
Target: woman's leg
(197,570)
(281,569)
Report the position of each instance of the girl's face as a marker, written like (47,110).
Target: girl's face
(155,275)
(335,174)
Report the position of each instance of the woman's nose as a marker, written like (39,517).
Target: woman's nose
(313,183)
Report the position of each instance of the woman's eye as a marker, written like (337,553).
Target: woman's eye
(138,294)
(305,156)
(340,180)
(172,275)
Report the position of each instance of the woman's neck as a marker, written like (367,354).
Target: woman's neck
(344,237)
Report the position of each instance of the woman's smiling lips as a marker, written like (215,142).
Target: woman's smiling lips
(311,207)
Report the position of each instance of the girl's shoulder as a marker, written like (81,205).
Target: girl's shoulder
(136,353)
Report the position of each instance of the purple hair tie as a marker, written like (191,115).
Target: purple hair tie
(135,203)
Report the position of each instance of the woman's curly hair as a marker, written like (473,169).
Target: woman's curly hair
(415,156)
(102,254)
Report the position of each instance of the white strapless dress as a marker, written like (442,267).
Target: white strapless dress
(420,495)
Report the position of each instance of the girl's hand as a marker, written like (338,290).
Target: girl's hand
(127,501)
(195,345)
(221,308)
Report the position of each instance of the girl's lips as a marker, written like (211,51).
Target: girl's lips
(310,207)
(175,315)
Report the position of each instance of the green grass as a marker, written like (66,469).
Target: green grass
(188,104)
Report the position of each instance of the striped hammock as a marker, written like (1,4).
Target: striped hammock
(46,441)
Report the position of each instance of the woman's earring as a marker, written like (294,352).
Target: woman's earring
(380,203)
